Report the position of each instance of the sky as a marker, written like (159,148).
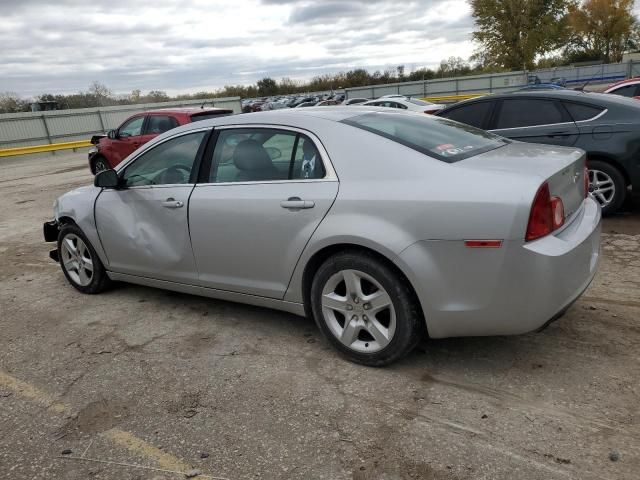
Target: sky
(187,46)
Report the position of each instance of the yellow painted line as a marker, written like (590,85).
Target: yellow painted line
(9,152)
(30,392)
(144,449)
(118,437)
(453,98)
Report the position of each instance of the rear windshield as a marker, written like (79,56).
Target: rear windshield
(434,136)
(205,116)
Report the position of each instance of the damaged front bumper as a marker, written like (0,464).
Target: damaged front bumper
(50,231)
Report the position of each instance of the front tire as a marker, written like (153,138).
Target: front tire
(366,310)
(98,164)
(79,261)
(606,186)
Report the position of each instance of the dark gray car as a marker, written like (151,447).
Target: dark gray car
(607,127)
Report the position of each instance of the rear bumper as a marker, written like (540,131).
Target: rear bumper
(514,289)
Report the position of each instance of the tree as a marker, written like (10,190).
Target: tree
(601,30)
(100,92)
(135,95)
(267,86)
(155,96)
(513,32)
(11,103)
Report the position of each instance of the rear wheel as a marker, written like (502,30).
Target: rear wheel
(365,309)
(79,261)
(606,185)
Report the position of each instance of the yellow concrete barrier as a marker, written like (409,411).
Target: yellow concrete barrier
(8,152)
(453,98)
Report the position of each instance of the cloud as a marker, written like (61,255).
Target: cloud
(60,47)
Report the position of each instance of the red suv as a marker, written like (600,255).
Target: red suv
(118,144)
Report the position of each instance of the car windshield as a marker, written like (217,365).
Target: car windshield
(422,103)
(436,137)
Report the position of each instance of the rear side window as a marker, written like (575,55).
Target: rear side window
(580,112)
(160,123)
(528,112)
(436,137)
(626,91)
(474,114)
(262,155)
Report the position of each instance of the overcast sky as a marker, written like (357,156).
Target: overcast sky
(190,45)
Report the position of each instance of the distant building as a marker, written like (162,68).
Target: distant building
(44,106)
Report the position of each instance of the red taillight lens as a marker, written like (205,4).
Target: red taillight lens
(586,182)
(547,214)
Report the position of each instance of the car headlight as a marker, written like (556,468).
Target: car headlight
(93,150)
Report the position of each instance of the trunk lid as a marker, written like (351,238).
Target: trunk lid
(561,167)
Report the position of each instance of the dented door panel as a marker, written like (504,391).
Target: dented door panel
(144,231)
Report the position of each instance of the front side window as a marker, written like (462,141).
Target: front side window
(261,155)
(132,128)
(436,137)
(474,114)
(525,112)
(158,124)
(168,163)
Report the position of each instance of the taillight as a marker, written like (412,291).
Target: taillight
(547,214)
(430,112)
(586,182)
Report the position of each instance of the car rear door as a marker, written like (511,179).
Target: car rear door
(143,225)
(534,120)
(259,202)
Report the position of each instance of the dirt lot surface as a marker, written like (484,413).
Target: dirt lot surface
(140,383)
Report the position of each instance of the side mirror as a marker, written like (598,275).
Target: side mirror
(112,134)
(106,179)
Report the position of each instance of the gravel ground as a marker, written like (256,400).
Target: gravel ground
(140,383)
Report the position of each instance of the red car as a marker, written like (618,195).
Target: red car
(627,88)
(118,144)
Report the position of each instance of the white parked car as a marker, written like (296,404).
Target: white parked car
(404,103)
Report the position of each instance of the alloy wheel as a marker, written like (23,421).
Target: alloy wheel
(76,259)
(100,165)
(601,187)
(358,311)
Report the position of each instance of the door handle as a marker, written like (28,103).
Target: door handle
(296,203)
(172,203)
(559,134)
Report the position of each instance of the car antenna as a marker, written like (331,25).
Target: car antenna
(581,89)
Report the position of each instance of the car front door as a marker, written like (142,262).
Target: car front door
(128,139)
(143,225)
(534,120)
(266,192)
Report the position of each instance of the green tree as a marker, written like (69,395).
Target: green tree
(267,86)
(601,29)
(511,33)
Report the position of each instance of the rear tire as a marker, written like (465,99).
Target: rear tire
(366,310)
(80,262)
(606,185)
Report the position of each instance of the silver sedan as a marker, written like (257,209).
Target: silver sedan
(383,226)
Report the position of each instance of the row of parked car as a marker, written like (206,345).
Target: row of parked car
(607,127)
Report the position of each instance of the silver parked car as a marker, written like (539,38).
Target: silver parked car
(383,226)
